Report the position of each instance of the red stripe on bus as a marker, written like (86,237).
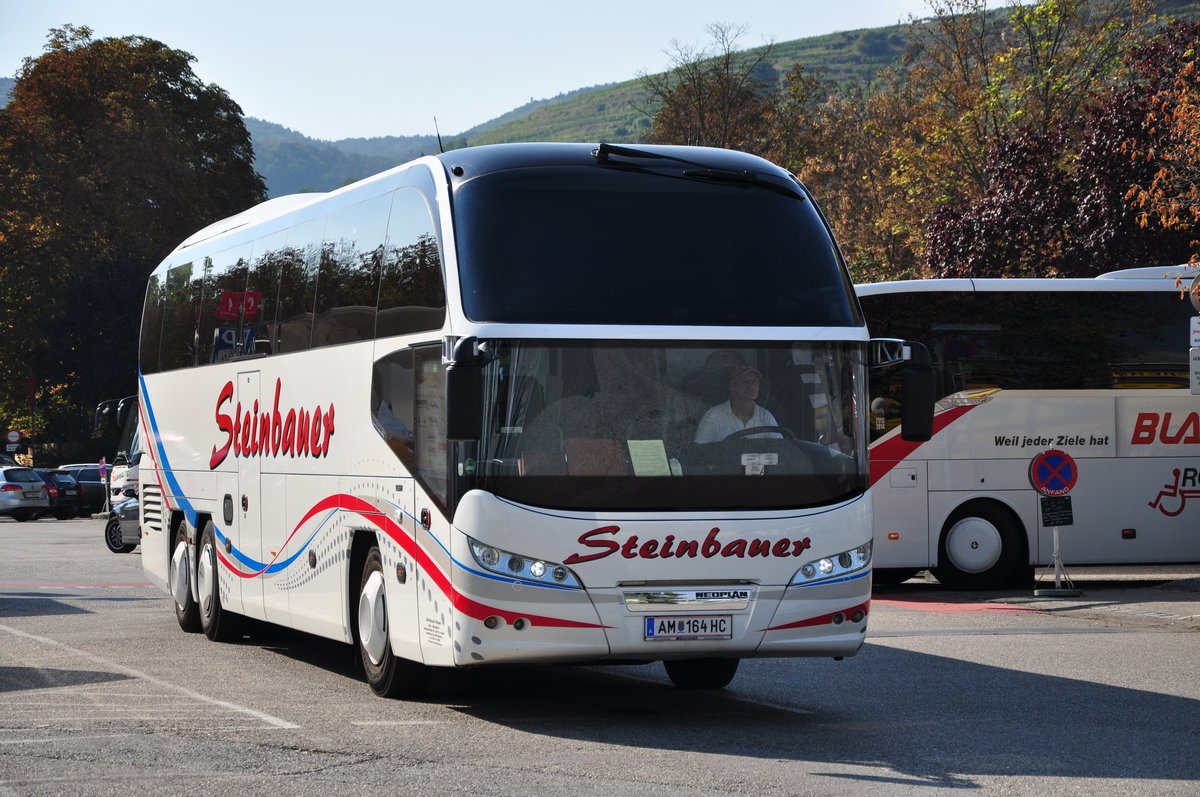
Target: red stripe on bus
(824,619)
(460,602)
(892,451)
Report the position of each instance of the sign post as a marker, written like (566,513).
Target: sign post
(1053,473)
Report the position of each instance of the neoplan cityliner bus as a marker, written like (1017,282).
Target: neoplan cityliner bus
(1079,386)
(450,414)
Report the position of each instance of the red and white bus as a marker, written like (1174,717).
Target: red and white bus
(450,414)
(1064,403)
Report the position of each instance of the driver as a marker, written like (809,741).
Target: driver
(740,412)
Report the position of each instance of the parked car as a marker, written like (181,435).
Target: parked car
(93,484)
(122,532)
(23,494)
(66,497)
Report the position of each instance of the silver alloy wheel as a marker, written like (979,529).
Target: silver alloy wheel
(179,575)
(974,545)
(206,579)
(372,618)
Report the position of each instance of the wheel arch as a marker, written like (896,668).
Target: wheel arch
(361,542)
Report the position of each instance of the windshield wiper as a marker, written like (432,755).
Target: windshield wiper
(602,152)
(704,171)
(747,178)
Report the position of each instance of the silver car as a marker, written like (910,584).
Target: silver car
(22,493)
(122,532)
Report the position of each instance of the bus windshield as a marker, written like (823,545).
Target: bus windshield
(654,425)
(609,245)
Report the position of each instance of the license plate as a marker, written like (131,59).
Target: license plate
(706,626)
(68,492)
(34,494)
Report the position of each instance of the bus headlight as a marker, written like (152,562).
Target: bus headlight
(829,567)
(522,568)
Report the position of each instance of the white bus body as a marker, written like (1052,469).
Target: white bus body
(299,376)
(1096,369)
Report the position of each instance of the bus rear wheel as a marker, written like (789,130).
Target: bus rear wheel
(701,673)
(980,548)
(180,576)
(218,624)
(388,675)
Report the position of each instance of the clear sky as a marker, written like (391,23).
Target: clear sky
(363,68)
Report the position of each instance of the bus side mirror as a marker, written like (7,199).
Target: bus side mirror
(918,384)
(464,390)
(918,394)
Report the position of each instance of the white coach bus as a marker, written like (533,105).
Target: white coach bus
(1065,403)
(477,409)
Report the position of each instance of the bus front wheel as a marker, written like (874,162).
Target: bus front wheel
(388,675)
(701,673)
(980,547)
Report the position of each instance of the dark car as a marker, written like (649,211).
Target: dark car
(94,486)
(22,493)
(66,496)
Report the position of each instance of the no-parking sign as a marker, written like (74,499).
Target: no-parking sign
(1053,473)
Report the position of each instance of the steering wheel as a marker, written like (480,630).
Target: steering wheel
(752,430)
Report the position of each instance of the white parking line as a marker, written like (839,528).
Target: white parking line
(132,673)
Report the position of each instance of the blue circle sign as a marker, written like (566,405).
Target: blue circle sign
(1053,473)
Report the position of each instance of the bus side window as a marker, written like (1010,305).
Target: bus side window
(152,326)
(412,296)
(220,319)
(298,286)
(262,294)
(181,301)
(348,281)
(392,395)
(431,451)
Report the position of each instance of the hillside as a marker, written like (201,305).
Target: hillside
(617,112)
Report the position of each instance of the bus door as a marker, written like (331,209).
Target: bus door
(246,532)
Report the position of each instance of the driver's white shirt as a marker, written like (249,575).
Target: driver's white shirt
(720,422)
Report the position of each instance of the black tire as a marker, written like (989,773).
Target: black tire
(112,537)
(387,674)
(980,547)
(217,624)
(701,673)
(22,515)
(186,611)
(64,515)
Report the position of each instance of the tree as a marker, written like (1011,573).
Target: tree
(1056,202)
(111,152)
(1169,196)
(984,82)
(708,99)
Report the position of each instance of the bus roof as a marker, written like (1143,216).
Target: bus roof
(1151,279)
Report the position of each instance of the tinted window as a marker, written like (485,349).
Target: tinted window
(152,320)
(1030,340)
(412,296)
(22,476)
(220,337)
(615,246)
(298,285)
(262,293)
(348,279)
(182,295)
